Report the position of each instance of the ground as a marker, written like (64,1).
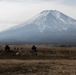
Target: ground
(49,61)
(37,67)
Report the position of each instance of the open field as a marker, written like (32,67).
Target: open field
(43,52)
(50,60)
(37,67)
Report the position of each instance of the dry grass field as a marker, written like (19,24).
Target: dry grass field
(50,60)
(43,51)
(37,67)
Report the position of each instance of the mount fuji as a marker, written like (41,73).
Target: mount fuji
(47,27)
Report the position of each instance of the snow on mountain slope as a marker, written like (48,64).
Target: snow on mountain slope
(54,19)
(49,26)
(49,18)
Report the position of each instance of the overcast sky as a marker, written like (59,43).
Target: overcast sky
(14,12)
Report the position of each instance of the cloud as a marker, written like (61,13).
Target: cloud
(25,0)
(69,2)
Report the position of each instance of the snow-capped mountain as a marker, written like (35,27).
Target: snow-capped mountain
(49,26)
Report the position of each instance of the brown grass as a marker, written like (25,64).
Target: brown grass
(50,61)
(37,67)
(45,51)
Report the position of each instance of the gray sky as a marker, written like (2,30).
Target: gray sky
(14,12)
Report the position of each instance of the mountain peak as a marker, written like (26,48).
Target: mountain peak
(50,11)
(46,14)
(53,12)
